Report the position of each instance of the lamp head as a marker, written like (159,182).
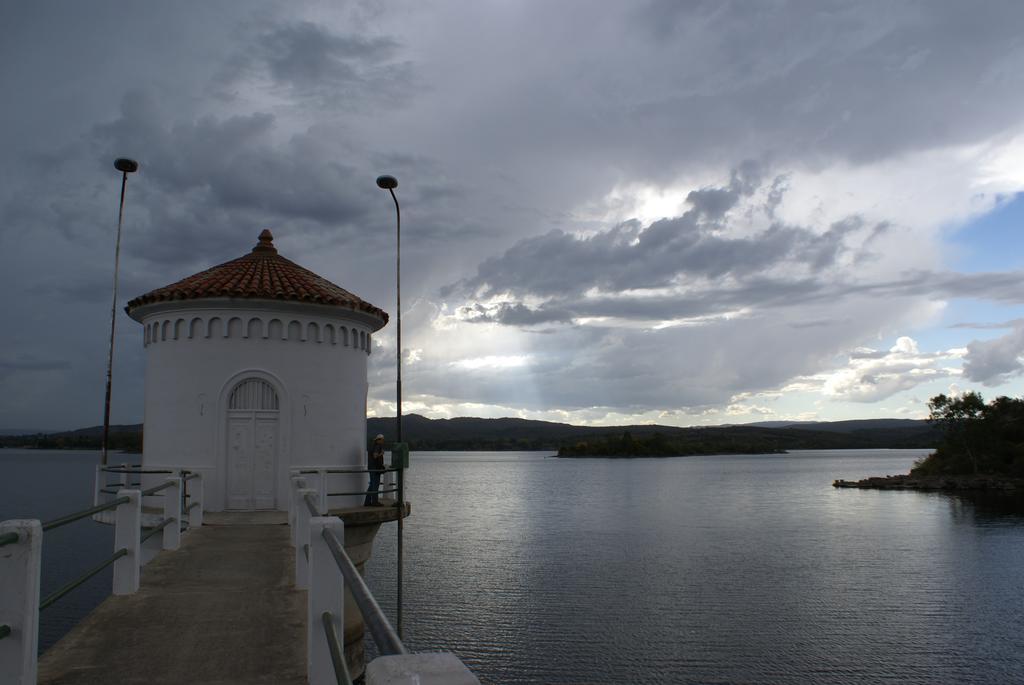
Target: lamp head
(126,165)
(387,182)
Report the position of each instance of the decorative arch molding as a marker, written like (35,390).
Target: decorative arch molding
(254,328)
(224,325)
(254,394)
(247,374)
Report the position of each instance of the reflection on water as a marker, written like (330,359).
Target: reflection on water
(705,569)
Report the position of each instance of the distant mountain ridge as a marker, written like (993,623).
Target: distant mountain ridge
(469,433)
(847,426)
(527,434)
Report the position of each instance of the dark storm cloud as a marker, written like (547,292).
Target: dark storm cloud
(309,60)
(213,182)
(310,55)
(606,274)
(781,264)
(865,80)
(233,163)
(1002,286)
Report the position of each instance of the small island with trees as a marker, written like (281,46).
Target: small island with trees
(982,448)
(661,445)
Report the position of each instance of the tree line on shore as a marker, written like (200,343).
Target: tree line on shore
(977,438)
(122,438)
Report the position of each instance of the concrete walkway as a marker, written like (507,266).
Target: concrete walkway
(221,609)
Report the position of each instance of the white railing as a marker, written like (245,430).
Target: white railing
(324,570)
(341,486)
(21,545)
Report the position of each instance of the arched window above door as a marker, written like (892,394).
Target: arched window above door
(254,394)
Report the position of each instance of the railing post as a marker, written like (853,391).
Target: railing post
(293,474)
(124,478)
(326,593)
(19,601)
(302,518)
(172,510)
(195,513)
(321,498)
(127,532)
(295,501)
(97,486)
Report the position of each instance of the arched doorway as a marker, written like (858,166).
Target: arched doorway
(252,417)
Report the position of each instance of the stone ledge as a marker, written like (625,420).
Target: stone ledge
(365,516)
(435,668)
(968,483)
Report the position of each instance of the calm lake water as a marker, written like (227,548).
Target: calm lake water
(725,569)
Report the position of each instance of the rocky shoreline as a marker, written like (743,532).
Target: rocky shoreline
(966,483)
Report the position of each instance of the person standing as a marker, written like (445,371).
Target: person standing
(375,464)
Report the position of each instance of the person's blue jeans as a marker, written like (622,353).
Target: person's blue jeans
(371,492)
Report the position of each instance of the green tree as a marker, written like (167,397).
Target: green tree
(960,418)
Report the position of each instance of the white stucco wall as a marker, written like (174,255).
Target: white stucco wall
(315,356)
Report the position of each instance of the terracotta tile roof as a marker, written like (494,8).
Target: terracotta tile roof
(262,274)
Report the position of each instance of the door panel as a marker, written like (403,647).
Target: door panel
(263,467)
(240,463)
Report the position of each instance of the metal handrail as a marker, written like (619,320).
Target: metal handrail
(133,471)
(362,492)
(383,634)
(156,529)
(8,539)
(386,469)
(191,475)
(157,488)
(71,518)
(81,579)
(334,645)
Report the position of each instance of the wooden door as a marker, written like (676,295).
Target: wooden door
(252,446)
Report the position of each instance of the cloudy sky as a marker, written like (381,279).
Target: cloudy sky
(683,213)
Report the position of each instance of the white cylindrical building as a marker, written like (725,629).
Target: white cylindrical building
(253,368)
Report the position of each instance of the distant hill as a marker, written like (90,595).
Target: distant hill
(843,426)
(122,437)
(524,434)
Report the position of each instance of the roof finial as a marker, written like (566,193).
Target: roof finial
(266,244)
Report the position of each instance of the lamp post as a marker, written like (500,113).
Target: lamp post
(125,166)
(389,183)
